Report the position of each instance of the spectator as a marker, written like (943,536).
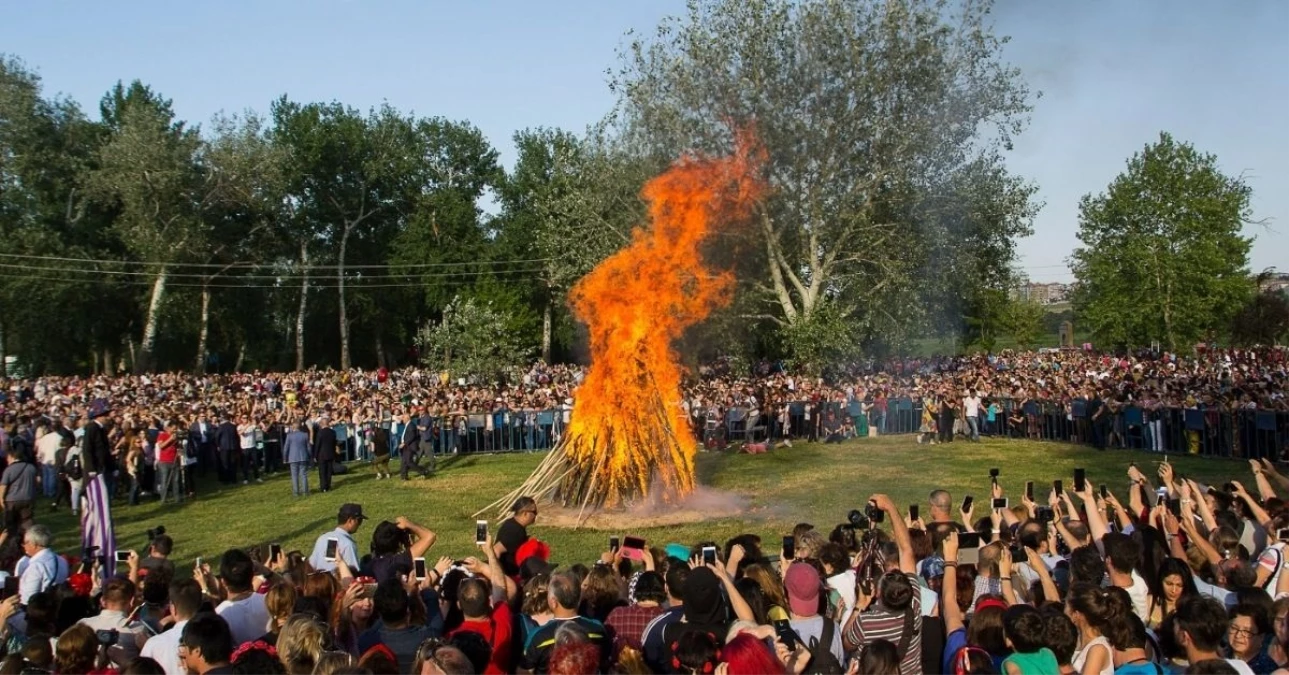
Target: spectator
(895,614)
(803,585)
(185,601)
(513,533)
(40,569)
(348,520)
(482,600)
(118,605)
(300,644)
(628,624)
(158,560)
(296,451)
(565,596)
(396,629)
(18,492)
(242,608)
(206,645)
(1199,625)
(77,651)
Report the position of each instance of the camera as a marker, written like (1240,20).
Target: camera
(107,638)
(156,532)
(857,519)
(875,515)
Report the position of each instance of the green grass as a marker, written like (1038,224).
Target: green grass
(810,482)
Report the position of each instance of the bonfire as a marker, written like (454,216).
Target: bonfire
(629,438)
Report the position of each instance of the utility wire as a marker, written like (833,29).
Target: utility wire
(285,276)
(246,265)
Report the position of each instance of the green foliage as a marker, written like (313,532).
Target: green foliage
(1024,320)
(1163,258)
(1264,319)
(883,123)
(826,337)
(474,339)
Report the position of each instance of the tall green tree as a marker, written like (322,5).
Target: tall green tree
(149,169)
(1264,319)
(877,118)
(1163,258)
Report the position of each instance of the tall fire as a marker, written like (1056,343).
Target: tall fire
(629,437)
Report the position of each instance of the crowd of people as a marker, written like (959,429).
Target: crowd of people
(1160,574)
(241,426)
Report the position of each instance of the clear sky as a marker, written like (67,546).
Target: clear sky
(1114,74)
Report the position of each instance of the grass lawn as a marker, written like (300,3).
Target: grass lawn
(810,482)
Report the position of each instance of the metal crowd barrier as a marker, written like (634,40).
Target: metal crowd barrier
(1248,434)
(1245,434)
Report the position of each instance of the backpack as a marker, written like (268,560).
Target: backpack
(73,467)
(822,660)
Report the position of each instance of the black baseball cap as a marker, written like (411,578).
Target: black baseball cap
(348,511)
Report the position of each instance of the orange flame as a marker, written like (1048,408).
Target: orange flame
(628,428)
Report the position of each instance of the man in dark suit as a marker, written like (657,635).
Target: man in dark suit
(202,435)
(96,451)
(324,451)
(228,443)
(408,447)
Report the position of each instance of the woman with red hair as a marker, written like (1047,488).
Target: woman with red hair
(747,655)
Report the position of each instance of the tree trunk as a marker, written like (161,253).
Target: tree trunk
(131,352)
(94,361)
(108,368)
(304,303)
(149,343)
(380,352)
(546,332)
(4,358)
(203,330)
(241,357)
(340,286)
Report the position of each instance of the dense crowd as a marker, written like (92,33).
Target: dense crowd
(166,428)
(1160,574)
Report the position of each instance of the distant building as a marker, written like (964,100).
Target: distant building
(1043,294)
(1275,283)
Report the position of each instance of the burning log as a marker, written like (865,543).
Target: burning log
(629,437)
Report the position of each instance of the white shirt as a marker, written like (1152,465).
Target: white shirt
(126,647)
(47,448)
(164,649)
(844,584)
(1140,594)
(247,618)
(39,573)
(972,404)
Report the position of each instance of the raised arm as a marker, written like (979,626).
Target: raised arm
(900,532)
(425,538)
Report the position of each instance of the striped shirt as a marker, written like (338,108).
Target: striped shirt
(879,623)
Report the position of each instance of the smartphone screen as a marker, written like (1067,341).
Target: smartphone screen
(122,556)
(913,511)
(1080,480)
(1059,487)
(1104,492)
(333,545)
(613,543)
(1029,490)
(969,540)
(1283,534)
(275,550)
(480,531)
(419,565)
(966,503)
(633,542)
(709,555)
(789,547)
(1000,503)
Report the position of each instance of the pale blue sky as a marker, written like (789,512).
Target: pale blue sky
(1113,74)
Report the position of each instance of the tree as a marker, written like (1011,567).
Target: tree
(473,339)
(1024,321)
(149,169)
(883,123)
(1264,319)
(1162,256)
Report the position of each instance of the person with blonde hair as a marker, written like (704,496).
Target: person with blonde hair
(300,643)
(280,603)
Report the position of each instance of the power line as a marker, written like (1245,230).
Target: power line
(354,283)
(249,265)
(278,277)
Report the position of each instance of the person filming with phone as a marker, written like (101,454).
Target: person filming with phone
(339,543)
(117,620)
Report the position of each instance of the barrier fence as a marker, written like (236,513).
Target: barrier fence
(1247,434)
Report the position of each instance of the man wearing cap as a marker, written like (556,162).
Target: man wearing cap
(348,521)
(803,585)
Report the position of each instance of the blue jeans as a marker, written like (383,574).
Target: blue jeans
(168,481)
(973,427)
(49,480)
(299,478)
